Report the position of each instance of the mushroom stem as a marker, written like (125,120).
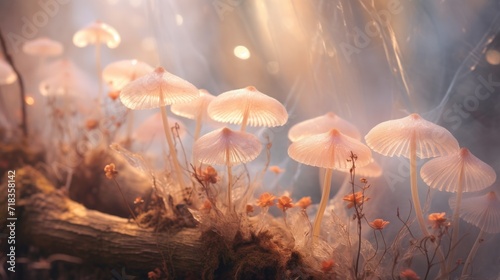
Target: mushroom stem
(456,220)
(229,183)
(99,75)
(472,254)
(173,152)
(198,126)
(322,205)
(245,120)
(414,187)
(130,125)
(416,201)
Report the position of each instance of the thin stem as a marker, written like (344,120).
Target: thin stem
(245,120)
(456,220)
(8,57)
(99,75)
(198,126)
(414,187)
(126,203)
(171,146)
(229,181)
(472,253)
(322,206)
(130,126)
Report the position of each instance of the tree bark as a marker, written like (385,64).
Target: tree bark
(48,219)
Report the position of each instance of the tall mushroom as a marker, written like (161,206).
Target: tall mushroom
(329,150)
(97,33)
(322,124)
(247,106)
(157,90)
(196,110)
(484,213)
(227,147)
(458,172)
(412,137)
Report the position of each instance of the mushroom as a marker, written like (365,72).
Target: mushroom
(322,124)
(97,33)
(458,172)
(43,47)
(247,106)
(484,213)
(157,90)
(7,74)
(412,137)
(227,147)
(195,110)
(329,150)
(118,74)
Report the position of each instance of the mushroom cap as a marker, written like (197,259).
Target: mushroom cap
(481,211)
(157,89)
(323,124)
(371,170)
(7,74)
(329,150)
(443,173)
(263,110)
(218,146)
(192,109)
(152,128)
(97,32)
(43,46)
(65,78)
(119,73)
(392,138)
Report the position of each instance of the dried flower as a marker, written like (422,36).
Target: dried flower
(358,197)
(91,124)
(326,266)
(249,208)
(206,205)
(114,94)
(110,171)
(137,200)
(409,274)
(284,202)
(266,199)
(363,180)
(437,219)
(379,224)
(276,169)
(208,175)
(304,202)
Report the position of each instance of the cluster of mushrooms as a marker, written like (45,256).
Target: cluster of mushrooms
(325,141)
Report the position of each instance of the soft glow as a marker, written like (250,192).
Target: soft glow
(148,44)
(135,3)
(29,100)
(179,19)
(241,52)
(493,57)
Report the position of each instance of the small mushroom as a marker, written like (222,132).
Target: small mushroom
(157,90)
(412,137)
(482,212)
(227,147)
(43,47)
(330,150)
(247,106)
(195,110)
(97,33)
(119,73)
(458,172)
(323,124)
(7,74)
